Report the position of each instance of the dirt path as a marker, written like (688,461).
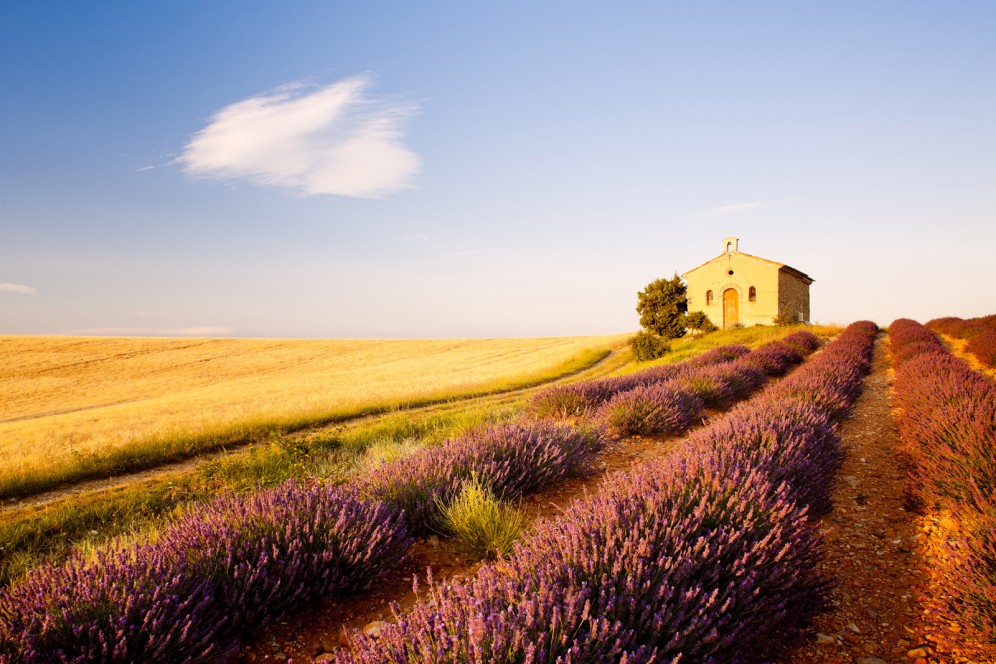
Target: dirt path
(872,547)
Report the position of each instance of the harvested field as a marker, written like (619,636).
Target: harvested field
(78,407)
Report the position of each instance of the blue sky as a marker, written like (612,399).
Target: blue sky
(469,169)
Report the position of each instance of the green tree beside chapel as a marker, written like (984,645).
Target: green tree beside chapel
(662,306)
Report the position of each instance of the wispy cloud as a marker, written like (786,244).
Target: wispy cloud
(335,139)
(207,331)
(737,208)
(8,287)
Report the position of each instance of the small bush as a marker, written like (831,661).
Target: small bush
(234,563)
(973,591)
(662,408)
(983,347)
(947,425)
(480,523)
(785,319)
(697,320)
(577,400)
(775,358)
(803,340)
(511,459)
(648,346)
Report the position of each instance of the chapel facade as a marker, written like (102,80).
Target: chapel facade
(737,289)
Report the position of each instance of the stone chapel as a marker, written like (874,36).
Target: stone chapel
(739,289)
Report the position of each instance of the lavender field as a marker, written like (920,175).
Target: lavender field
(710,553)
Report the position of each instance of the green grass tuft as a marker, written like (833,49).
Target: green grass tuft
(480,523)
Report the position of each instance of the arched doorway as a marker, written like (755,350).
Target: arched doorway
(731,308)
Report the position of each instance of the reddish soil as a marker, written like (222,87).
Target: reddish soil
(883,609)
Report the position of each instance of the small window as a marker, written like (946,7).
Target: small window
(730,273)
(752,294)
(708,297)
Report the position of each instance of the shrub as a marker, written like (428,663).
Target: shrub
(792,441)
(712,385)
(480,523)
(660,408)
(510,459)
(719,355)
(742,377)
(576,400)
(983,347)
(947,425)
(973,580)
(648,346)
(775,358)
(803,340)
(948,428)
(582,399)
(237,562)
(697,320)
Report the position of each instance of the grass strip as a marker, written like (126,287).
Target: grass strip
(152,451)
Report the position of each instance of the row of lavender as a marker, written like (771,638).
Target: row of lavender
(242,560)
(707,556)
(948,430)
(522,458)
(667,399)
(980,333)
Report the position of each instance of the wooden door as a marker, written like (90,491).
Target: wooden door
(731,308)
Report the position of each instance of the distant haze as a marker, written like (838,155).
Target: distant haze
(469,170)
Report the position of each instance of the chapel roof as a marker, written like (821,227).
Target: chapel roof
(734,242)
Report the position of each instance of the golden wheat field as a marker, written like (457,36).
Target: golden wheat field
(66,397)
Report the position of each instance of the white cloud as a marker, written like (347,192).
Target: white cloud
(207,331)
(740,207)
(7,287)
(329,140)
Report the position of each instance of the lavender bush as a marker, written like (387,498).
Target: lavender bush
(980,333)
(775,358)
(947,424)
(973,581)
(803,340)
(790,440)
(672,406)
(661,408)
(742,377)
(983,347)
(582,399)
(509,459)
(687,559)
(237,562)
